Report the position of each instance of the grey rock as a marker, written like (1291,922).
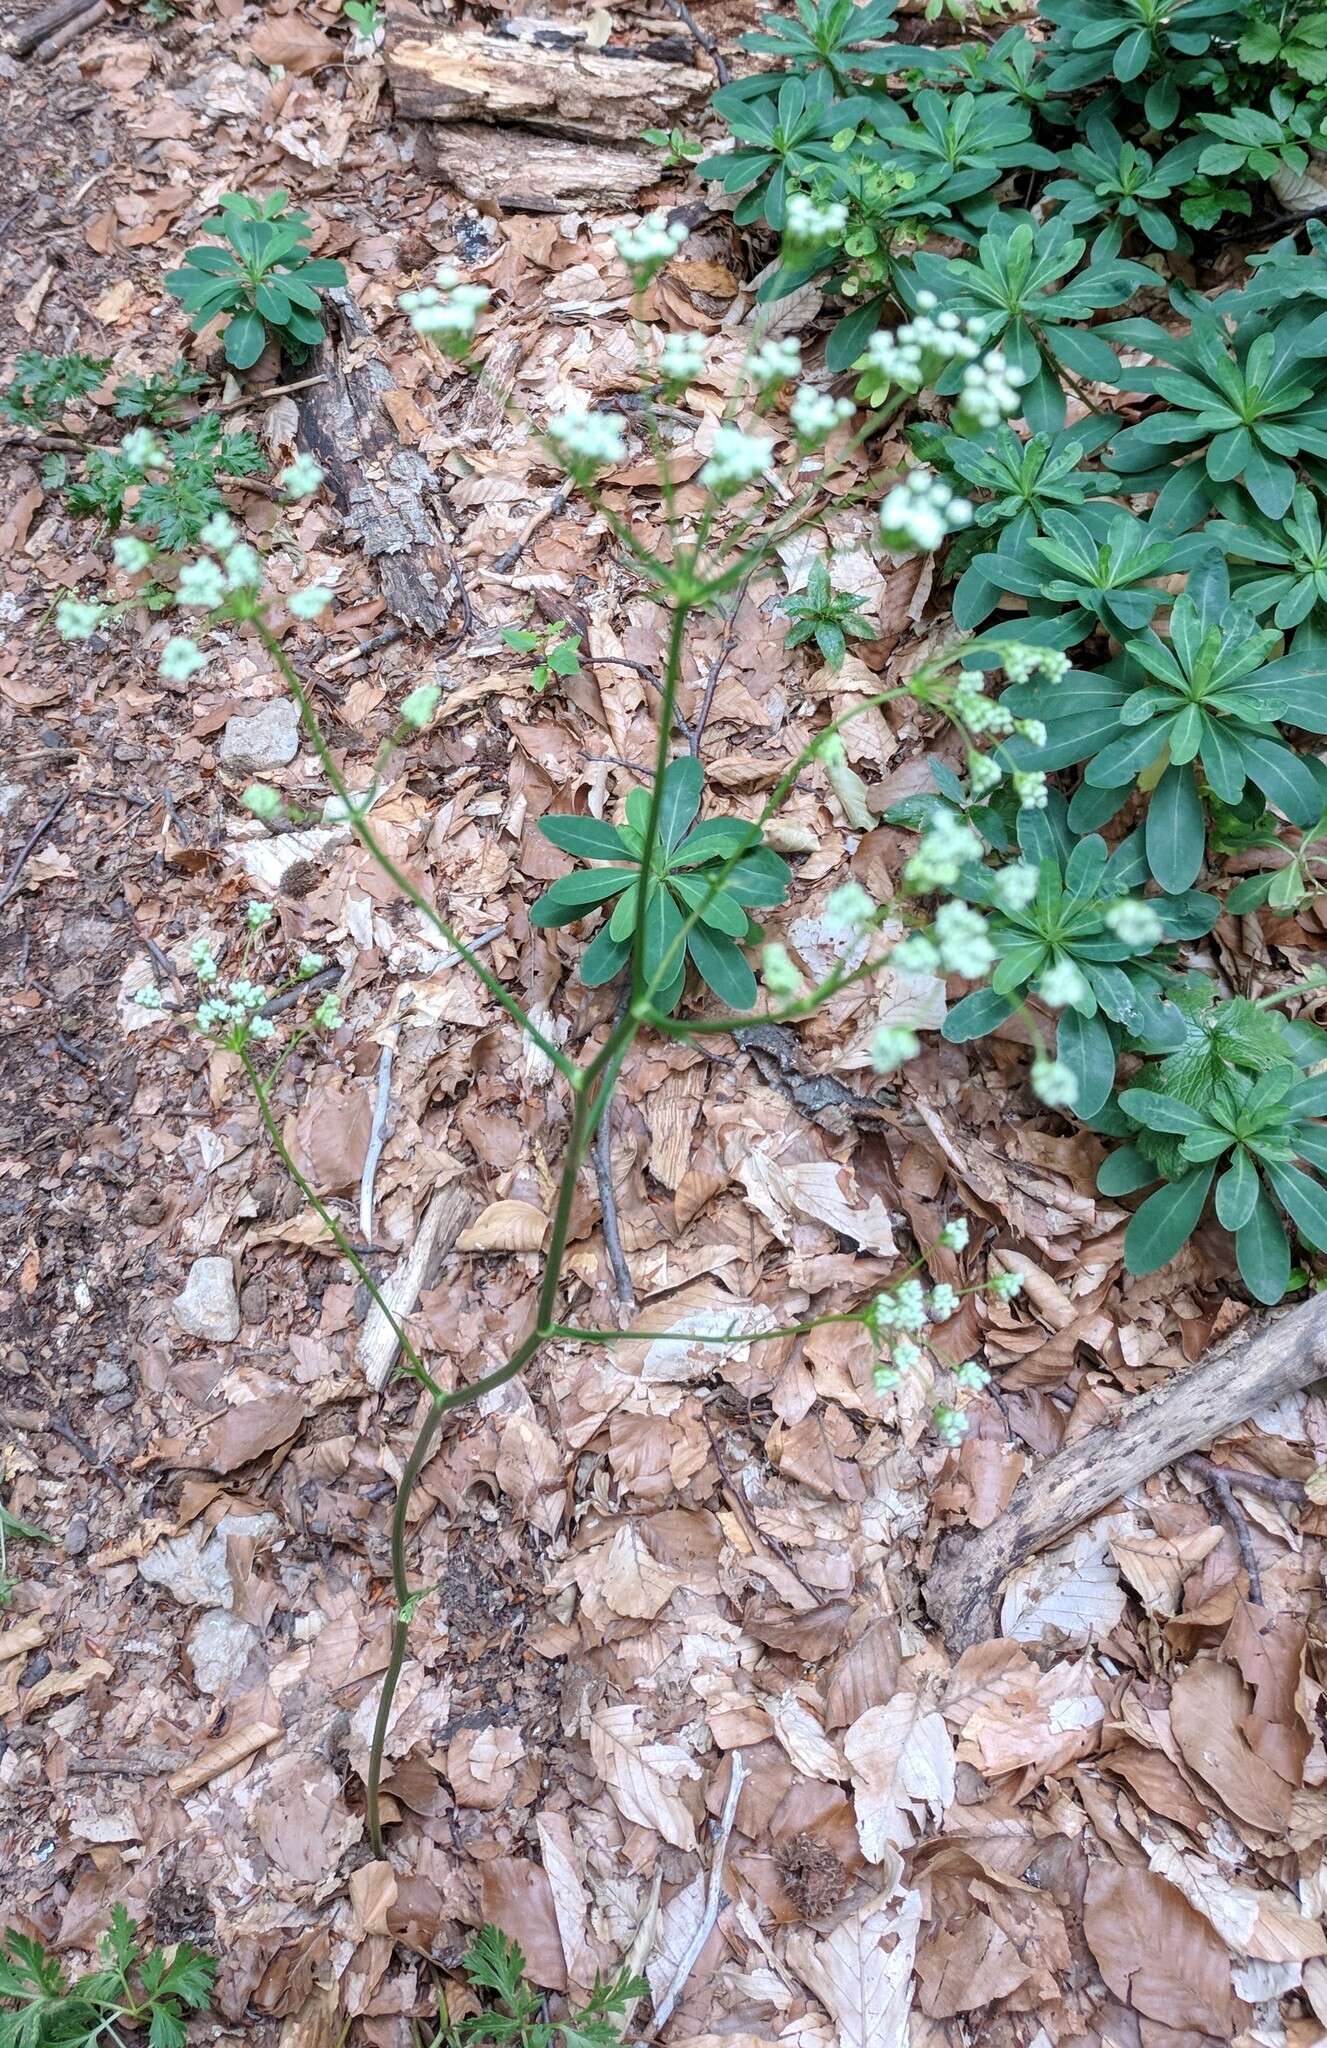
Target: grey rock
(262,739)
(192,1566)
(219,1648)
(109,1378)
(209,1306)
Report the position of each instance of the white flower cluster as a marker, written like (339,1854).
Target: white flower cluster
(893,1045)
(902,1307)
(1062,983)
(418,709)
(738,459)
(1021,662)
(301,476)
(778,971)
(945,848)
(131,554)
(681,360)
(646,249)
(974,710)
(914,355)
(849,908)
(815,415)
(1134,923)
(78,618)
(1014,887)
(1031,788)
(1053,1083)
(920,511)
(142,450)
(236,1019)
(588,441)
(990,393)
(949,1423)
(809,224)
(775,361)
(446,312)
(961,940)
(954,1236)
(1005,1286)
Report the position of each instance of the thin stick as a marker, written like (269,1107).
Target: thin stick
(387,638)
(702,37)
(602,1153)
(377,1139)
(1265,1483)
(509,557)
(269,391)
(326,977)
(714,1898)
(30,845)
(697,732)
(43,26)
(1219,1485)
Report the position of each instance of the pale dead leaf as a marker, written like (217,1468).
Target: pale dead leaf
(902,1763)
(508,1226)
(819,1191)
(804,1740)
(642,1776)
(862,1970)
(1069,1592)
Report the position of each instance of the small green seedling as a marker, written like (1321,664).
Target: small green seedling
(827,616)
(682,878)
(261,275)
(557,646)
(133,1990)
(365,16)
(679,152)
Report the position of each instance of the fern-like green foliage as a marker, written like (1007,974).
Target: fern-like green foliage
(515,2011)
(134,1990)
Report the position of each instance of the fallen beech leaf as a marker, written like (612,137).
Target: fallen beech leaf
(643,1777)
(222,1755)
(902,1763)
(1207,1705)
(1157,1955)
(862,1970)
(293,43)
(517,1898)
(505,1227)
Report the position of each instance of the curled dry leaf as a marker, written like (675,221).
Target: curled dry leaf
(509,1226)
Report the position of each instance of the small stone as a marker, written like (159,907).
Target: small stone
(262,739)
(253,1302)
(219,1648)
(110,1378)
(12,795)
(76,1537)
(209,1306)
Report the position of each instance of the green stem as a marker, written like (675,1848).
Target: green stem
(360,828)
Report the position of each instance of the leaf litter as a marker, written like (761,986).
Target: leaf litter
(1109,1823)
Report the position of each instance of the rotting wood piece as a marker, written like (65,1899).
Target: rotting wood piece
(524,173)
(22,41)
(449,74)
(382,490)
(1260,1363)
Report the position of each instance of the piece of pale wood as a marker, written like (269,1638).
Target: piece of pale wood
(525,173)
(1258,1365)
(441,73)
(439,1228)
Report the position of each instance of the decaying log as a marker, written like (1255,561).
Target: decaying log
(525,173)
(42,26)
(383,491)
(439,73)
(1259,1364)
(439,1228)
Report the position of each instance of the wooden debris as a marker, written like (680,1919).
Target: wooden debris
(524,173)
(44,27)
(382,490)
(438,1231)
(1259,1364)
(438,73)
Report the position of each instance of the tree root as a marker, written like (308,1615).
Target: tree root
(1262,1361)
